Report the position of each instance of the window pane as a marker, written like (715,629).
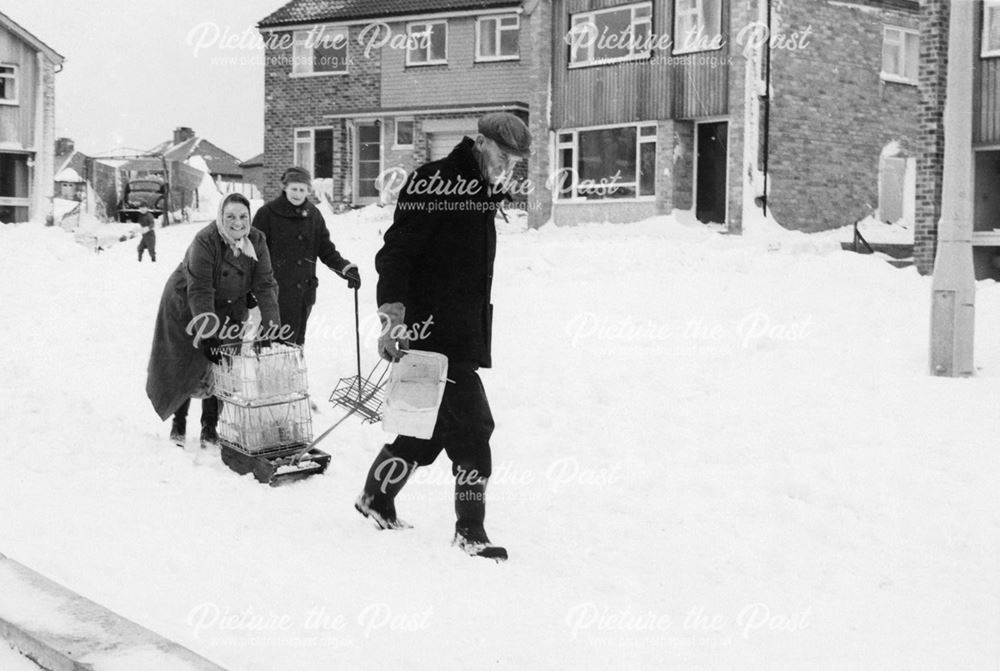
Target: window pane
(645,10)
(438,36)
(303,155)
(330,53)
(608,157)
(487,37)
(509,42)
(712,16)
(641,31)
(419,43)
(323,161)
(13,176)
(404,132)
(647,169)
(890,57)
(612,24)
(647,130)
(992,22)
(6,90)
(912,56)
(301,58)
(565,185)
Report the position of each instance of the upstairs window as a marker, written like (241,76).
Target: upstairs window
(610,35)
(900,55)
(497,38)
(697,25)
(427,43)
(8,84)
(320,51)
(991,28)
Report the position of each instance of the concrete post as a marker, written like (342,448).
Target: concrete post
(954,288)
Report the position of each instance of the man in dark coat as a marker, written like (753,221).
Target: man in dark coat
(435,278)
(148,225)
(296,236)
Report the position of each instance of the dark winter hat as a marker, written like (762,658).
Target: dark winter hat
(508,131)
(296,174)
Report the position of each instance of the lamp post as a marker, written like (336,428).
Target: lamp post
(953,294)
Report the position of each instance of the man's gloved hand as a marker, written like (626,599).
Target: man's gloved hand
(392,340)
(251,301)
(210,348)
(353,277)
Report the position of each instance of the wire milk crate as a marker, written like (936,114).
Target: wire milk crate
(248,375)
(363,395)
(265,429)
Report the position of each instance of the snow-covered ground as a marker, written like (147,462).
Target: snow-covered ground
(712,452)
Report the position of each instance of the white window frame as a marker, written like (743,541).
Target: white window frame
(300,53)
(697,10)
(574,145)
(989,7)
(409,36)
(584,18)
(395,133)
(297,135)
(497,31)
(14,77)
(899,42)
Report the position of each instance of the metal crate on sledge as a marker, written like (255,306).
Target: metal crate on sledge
(265,420)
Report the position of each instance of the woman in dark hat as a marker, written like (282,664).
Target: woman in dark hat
(296,236)
(204,306)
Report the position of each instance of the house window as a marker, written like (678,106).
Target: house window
(314,151)
(900,55)
(610,35)
(404,134)
(497,38)
(607,163)
(14,191)
(320,51)
(991,28)
(8,84)
(427,43)
(697,25)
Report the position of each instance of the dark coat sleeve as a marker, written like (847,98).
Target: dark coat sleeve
(199,267)
(412,226)
(262,222)
(325,249)
(265,287)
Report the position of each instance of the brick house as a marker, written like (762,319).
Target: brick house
(985,110)
(27,123)
(691,109)
(680,118)
(355,89)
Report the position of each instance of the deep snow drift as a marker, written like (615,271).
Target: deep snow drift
(711,452)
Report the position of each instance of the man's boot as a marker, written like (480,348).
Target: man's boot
(470,511)
(209,422)
(386,477)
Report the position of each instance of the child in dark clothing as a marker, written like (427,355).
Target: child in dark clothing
(148,241)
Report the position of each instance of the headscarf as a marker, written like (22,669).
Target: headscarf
(243,245)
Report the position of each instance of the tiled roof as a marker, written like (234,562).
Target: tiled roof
(219,161)
(310,11)
(253,161)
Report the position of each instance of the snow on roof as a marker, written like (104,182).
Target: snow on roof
(68,175)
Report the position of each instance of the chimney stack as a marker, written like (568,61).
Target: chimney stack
(182,133)
(64,146)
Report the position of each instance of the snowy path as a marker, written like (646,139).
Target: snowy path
(676,489)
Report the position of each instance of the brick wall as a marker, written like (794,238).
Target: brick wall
(296,102)
(461,80)
(539,83)
(930,158)
(831,113)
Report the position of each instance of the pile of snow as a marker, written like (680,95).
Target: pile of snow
(209,195)
(710,452)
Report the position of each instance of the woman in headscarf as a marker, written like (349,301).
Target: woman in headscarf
(203,307)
